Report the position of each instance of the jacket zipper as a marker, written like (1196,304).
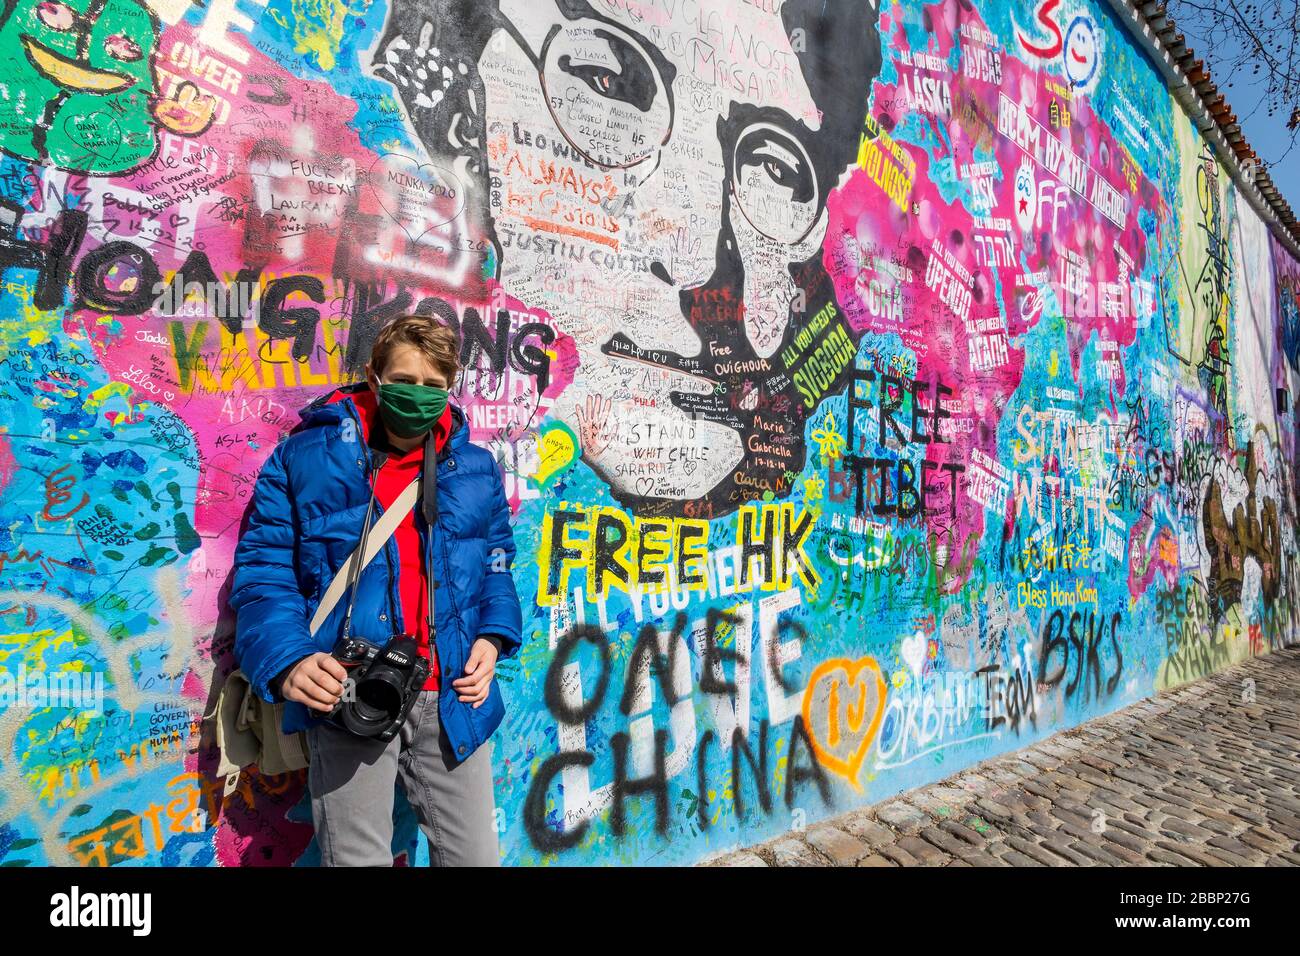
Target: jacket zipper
(429,550)
(430,596)
(392,587)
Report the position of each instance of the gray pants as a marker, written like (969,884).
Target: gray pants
(352,782)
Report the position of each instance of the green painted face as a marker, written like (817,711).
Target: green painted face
(78,83)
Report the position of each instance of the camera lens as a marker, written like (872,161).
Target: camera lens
(378,699)
(378,702)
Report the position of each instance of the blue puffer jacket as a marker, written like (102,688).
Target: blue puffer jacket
(308,508)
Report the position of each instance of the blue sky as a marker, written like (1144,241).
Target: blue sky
(1267,134)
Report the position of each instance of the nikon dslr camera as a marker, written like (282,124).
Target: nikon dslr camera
(381,686)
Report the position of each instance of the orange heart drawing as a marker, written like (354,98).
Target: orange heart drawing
(830,736)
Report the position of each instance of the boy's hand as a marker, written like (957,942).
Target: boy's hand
(479,671)
(316,681)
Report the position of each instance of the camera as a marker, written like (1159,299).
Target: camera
(383,679)
(383,683)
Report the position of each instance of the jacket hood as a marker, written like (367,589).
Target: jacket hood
(333,408)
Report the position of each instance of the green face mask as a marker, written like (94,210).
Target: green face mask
(408,409)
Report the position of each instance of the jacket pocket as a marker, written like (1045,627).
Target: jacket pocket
(467,560)
(318,582)
(485,720)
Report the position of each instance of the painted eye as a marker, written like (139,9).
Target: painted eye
(56,16)
(605,93)
(775,183)
(122,47)
(779,172)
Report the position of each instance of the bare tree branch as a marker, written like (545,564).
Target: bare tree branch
(1252,48)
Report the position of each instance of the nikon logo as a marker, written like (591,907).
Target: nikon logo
(400,659)
(102,909)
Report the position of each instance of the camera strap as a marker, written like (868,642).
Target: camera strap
(372,543)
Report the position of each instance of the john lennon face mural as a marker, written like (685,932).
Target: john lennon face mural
(665,201)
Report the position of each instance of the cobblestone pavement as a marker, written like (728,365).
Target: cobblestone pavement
(1198,776)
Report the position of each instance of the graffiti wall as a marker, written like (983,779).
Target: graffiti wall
(878,388)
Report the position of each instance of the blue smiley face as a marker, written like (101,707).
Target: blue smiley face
(1081,53)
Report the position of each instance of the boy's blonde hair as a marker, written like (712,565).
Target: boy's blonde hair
(436,342)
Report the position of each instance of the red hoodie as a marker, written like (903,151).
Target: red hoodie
(394,475)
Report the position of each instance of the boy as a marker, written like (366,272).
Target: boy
(308,509)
